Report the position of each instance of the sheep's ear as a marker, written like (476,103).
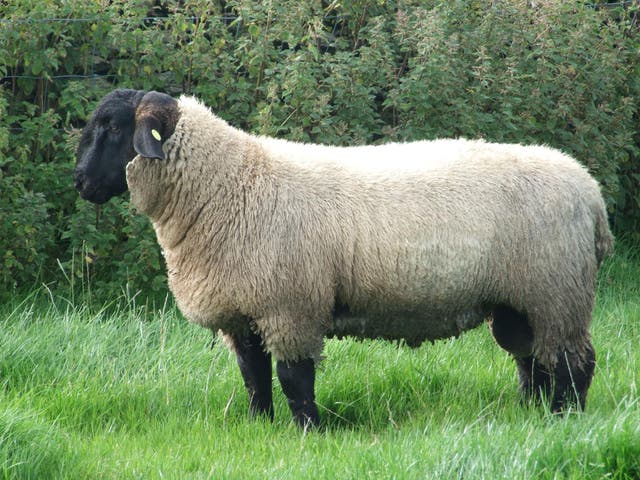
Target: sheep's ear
(156,118)
(147,140)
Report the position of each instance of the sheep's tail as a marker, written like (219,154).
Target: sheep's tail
(603,236)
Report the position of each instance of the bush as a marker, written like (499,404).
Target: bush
(562,73)
(556,75)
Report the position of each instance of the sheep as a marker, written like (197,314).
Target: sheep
(279,244)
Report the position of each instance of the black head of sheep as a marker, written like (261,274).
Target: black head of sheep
(125,123)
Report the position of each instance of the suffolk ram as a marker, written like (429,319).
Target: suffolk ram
(280,244)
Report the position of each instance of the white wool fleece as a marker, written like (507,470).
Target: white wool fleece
(415,240)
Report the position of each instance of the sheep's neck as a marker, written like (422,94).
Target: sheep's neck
(216,202)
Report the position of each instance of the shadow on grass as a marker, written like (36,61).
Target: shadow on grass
(441,396)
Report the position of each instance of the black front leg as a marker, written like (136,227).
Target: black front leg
(297,380)
(255,366)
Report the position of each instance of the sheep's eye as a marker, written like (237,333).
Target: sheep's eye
(114,128)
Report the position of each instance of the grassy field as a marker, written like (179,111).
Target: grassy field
(133,393)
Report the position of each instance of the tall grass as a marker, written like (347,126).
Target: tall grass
(133,392)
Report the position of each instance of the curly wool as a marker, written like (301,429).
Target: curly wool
(415,241)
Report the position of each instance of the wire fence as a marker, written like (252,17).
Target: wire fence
(235,24)
(228,19)
(232,21)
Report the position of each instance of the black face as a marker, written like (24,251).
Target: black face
(106,146)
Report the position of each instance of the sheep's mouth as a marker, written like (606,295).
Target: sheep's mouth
(101,190)
(93,195)
(97,194)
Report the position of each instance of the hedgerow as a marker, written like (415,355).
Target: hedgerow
(363,71)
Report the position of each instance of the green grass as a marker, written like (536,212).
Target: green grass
(134,393)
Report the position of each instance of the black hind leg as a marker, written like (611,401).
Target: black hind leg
(564,386)
(572,378)
(512,331)
(535,380)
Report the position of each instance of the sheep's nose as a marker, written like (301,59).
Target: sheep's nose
(79,180)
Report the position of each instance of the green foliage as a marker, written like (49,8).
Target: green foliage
(556,75)
(562,73)
(25,236)
(98,235)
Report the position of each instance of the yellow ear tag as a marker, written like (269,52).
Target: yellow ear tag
(156,134)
